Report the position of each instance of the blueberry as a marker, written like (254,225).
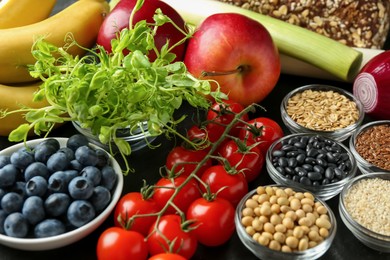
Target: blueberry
(58,182)
(22,158)
(2,193)
(33,209)
(3,216)
(16,225)
(58,162)
(11,202)
(70,174)
(80,188)
(36,186)
(57,204)
(102,158)
(50,142)
(76,165)
(20,188)
(48,228)
(86,156)
(92,173)
(108,177)
(36,169)
(76,141)
(68,152)
(43,151)
(80,212)
(4,160)
(101,197)
(8,175)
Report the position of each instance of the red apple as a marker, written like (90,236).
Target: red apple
(118,19)
(238,52)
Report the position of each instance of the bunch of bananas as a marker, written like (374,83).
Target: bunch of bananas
(23,21)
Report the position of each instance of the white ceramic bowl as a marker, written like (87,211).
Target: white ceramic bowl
(339,134)
(38,244)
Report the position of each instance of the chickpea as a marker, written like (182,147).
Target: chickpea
(300,213)
(314,236)
(305,229)
(312,244)
(247,212)
(269,190)
(295,204)
(307,201)
(323,223)
(257,224)
(263,240)
(283,201)
(273,199)
(260,190)
(265,210)
(323,232)
(267,235)
(257,211)
(251,203)
(298,232)
(322,210)
(291,214)
(268,227)
(309,195)
(275,208)
(256,236)
(275,219)
(285,208)
(250,230)
(305,221)
(307,208)
(281,193)
(303,244)
(299,195)
(262,198)
(280,237)
(280,228)
(289,191)
(288,223)
(292,242)
(311,216)
(286,249)
(247,220)
(263,219)
(274,245)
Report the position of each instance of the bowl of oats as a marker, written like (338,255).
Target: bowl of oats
(322,109)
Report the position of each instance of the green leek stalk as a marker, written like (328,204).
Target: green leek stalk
(339,60)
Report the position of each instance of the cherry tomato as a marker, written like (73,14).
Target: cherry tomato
(131,204)
(261,130)
(247,160)
(184,160)
(230,186)
(222,114)
(165,187)
(167,256)
(214,220)
(118,243)
(170,228)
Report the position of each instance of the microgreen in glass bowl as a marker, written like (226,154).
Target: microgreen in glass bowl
(106,92)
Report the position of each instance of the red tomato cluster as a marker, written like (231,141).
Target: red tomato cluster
(204,185)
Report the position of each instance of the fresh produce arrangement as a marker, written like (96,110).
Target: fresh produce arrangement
(128,66)
(194,200)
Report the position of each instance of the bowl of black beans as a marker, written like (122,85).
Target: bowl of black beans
(311,161)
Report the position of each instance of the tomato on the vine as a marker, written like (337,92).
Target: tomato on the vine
(261,130)
(248,160)
(134,203)
(167,256)
(214,220)
(165,187)
(184,160)
(220,115)
(171,228)
(121,244)
(228,185)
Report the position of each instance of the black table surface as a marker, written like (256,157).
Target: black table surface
(146,163)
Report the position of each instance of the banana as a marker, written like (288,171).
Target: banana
(15,13)
(82,18)
(13,98)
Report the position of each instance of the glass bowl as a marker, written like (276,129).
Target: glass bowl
(365,162)
(69,237)
(293,176)
(368,236)
(314,117)
(137,140)
(264,252)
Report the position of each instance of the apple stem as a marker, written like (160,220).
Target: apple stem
(239,69)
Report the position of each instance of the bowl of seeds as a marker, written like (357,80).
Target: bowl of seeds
(322,109)
(279,222)
(312,162)
(364,206)
(370,145)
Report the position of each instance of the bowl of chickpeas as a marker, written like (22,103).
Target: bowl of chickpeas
(278,222)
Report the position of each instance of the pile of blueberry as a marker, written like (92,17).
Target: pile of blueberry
(48,190)
(312,160)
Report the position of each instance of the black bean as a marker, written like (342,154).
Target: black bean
(283,161)
(330,157)
(292,154)
(329,173)
(340,174)
(321,162)
(280,170)
(314,176)
(310,160)
(316,183)
(289,170)
(296,178)
(307,167)
(288,148)
(321,156)
(344,157)
(300,171)
(278,153)
(312,152)
(292,162)
(305,180)
(319,169)
(301,158)
(325,181)
(299,145)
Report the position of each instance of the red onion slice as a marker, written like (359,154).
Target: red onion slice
(365,89)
